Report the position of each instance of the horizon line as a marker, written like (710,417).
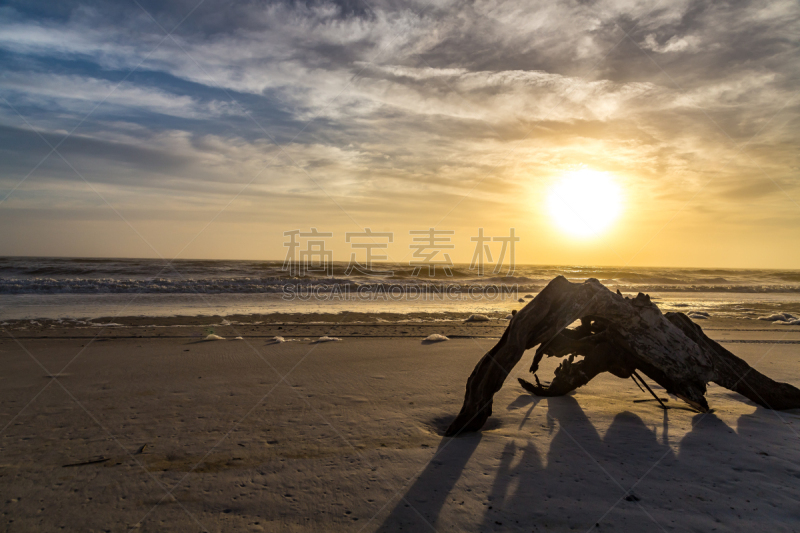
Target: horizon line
(579,265)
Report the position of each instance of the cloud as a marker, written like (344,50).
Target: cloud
(81,94)
(402,100)
(674,44)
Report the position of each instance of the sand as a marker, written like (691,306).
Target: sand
(253,435)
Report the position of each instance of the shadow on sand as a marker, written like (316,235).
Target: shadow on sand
(421,504)
(584,478)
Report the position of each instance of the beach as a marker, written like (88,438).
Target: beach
(378,267)
(148,425)
(288,266)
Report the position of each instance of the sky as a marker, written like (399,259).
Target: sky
(207,129)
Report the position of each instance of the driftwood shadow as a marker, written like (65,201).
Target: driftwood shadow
(526,481)
(561,486)
(578,465)
(419,506)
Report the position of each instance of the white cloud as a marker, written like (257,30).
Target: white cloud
(674,44)
(81,93)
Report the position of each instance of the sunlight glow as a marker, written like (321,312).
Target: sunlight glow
(584,202)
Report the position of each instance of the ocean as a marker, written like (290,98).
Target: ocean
(73,288)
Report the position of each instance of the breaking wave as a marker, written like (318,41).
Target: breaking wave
(119,276)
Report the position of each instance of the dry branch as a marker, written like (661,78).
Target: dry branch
(618,335)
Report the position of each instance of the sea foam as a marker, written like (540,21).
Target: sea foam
(778,317)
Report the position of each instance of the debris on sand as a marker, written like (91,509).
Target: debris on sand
(327,339)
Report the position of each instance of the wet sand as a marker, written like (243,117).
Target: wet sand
(255,435)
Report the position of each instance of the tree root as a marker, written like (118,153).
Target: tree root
(617,335)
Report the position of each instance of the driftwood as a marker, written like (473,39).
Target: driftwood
(618,335)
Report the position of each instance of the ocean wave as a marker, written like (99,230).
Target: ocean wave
(20,275)
(42,267)
(155,286)
(325,285)
(229,285)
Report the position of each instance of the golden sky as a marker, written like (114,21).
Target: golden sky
(121,139)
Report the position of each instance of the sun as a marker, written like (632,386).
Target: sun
(585,202)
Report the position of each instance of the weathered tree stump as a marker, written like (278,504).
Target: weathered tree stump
(618,335)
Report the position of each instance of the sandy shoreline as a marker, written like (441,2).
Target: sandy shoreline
(301,436)
(350,324)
